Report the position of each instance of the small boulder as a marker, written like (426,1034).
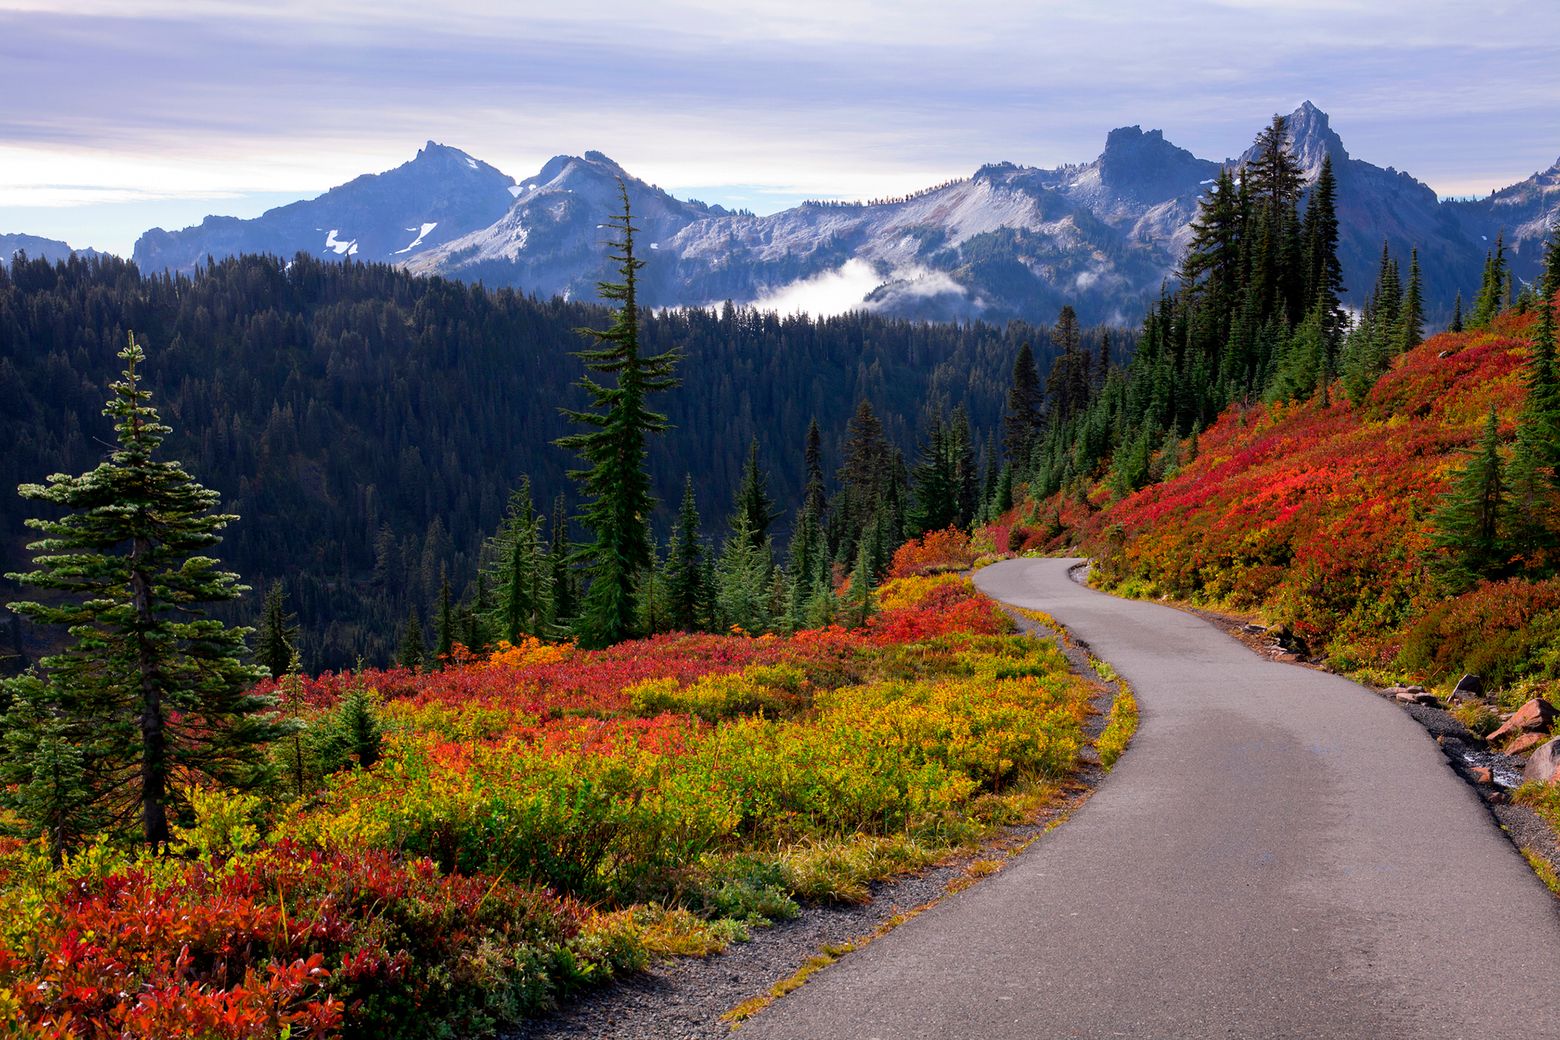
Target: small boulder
(1469,685)
(1255,630)
(1405,697)
(1524,743)
(1482,775)
(1534,717)
(1544,766)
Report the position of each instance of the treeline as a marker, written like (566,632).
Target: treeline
(369,426)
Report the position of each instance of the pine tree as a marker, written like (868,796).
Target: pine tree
(686,597)
(814,494)
(561,580)
(1492,288)
(414,647)
(520,571)
(1457,315)
(444,645)
(742,580)
(126,562)
(753,501)
(277,636)
(1324,275)
(1021,422)
(44,772)
(616,484)
(1469,526)
(868,457)
(352,737)
(1411,319)
(860,603)
(1550,285)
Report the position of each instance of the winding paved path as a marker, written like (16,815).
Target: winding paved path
(1279,854)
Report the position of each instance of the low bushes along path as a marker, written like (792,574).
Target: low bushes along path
(1279,854)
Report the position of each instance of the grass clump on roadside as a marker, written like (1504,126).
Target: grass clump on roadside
(1119,727)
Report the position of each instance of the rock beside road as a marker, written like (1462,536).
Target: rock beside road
(1532,719)
(1545,764)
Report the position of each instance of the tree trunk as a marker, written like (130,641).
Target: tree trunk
(154,741)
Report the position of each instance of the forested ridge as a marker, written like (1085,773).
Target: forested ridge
(368,426)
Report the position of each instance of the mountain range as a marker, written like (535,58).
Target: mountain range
(1009,241)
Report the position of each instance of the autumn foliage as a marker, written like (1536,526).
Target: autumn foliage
(1317,516)
(539,821)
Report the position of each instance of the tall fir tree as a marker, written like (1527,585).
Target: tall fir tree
(1411,319)
(616,485)
(1021,420)
(444,634)
(150,688)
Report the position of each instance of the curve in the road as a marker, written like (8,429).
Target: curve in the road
(1279,854)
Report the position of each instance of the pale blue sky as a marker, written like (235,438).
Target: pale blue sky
(123,114)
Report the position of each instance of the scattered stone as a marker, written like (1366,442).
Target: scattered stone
(1534,717)
(1524,743)
(1545,763)
(1469,685)
(1443,355)
(1406,697)
(1255,630)
(1482,775)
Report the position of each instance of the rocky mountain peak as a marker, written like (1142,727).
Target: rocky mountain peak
(1311,137)
(1142,164)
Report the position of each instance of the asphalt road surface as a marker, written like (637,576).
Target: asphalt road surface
(1278,854)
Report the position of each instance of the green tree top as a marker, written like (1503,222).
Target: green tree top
(613,446)
(152,693)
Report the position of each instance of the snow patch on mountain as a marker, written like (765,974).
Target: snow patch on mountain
(422,233)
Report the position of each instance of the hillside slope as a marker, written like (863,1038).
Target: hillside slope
(1317,516)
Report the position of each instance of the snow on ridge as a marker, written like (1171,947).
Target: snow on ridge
(338,246)
(422,233)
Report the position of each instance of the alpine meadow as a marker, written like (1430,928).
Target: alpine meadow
(1103,598)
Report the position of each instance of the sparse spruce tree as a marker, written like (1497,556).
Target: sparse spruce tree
(520,571)
(753,501)
(414,646)
(687,602)
(615,484)
(276,640)
(444,645)
(743,580)
(150,687)
(1469,527)
(1492,289)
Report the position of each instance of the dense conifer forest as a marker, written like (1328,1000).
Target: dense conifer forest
(369,426)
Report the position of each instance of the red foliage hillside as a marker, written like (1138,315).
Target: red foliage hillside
(1315,515)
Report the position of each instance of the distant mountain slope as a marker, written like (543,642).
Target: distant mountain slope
(1010,241)
(551,242)
(441,194)
(38,248)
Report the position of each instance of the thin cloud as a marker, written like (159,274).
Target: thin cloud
(772,98)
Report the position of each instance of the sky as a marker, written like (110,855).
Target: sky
(119,115)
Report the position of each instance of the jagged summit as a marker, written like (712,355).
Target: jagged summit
(1011,241)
